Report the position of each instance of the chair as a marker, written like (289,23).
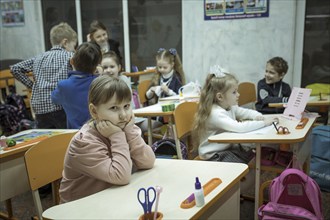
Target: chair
(44,164)
(184,115)
(6,81)
(248,94)
(142,89)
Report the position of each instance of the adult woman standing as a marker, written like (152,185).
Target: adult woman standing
(100,35)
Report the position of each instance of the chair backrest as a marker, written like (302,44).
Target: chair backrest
(44,161)
(248,94)
(142,89)
(44,164)
(184,115)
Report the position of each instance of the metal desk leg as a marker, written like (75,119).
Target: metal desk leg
(149,132)
(256,193)
(175,136)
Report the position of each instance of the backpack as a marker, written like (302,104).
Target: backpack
(293,195)
(9,119)
(17,101)
(320,156)
(165,148)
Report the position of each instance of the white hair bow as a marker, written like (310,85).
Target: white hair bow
(218,71)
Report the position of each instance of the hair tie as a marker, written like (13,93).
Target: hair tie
(218,71)
(160,50)
(172,51)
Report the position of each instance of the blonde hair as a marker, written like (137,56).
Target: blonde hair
(208,97)
(104,87)
(60,32)
(172,57)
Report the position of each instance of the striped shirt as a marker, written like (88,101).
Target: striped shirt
(48,69)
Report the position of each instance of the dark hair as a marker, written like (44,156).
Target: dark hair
(87,57)
(112,54)
(95,26)
(279,64)
(104,87)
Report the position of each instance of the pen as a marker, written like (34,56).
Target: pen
(275,126)
(159,189)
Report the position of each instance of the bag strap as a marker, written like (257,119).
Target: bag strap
(294,163)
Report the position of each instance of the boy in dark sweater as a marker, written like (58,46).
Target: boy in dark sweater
(272,89)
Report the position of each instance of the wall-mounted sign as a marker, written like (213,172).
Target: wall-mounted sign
(12,13)
(235,9)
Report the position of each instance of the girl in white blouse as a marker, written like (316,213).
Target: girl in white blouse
(218,112)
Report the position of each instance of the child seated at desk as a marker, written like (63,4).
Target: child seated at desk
(272,89)
(72,93)
(107,148)
(166,82)
(169,77)
(218,112)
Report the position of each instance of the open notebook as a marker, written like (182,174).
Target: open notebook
(297,103)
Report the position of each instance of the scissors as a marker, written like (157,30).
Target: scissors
(283,130)
(145,201)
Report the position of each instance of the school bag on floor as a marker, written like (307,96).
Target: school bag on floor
(320,157)
(293,195)
(166,148)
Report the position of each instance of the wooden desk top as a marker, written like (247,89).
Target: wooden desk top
(17,151)
(140,73)
(313,101)
(177,178)
(152,111)
(269,134)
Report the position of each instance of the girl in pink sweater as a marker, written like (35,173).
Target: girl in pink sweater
(107,148)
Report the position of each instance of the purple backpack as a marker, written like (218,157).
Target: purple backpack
(293,195)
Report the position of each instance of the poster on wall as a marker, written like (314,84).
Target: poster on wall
(235,9)
(12,13)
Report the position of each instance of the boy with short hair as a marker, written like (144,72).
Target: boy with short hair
(272,89)
(72,93)
(48,69)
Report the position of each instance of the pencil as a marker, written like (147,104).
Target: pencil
(275,126)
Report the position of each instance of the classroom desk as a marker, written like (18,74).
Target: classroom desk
(298,140)
(143,75)
(155,111)
(313,101)
(177,178)
(13,177)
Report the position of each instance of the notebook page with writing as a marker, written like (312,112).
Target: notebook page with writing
(297,102)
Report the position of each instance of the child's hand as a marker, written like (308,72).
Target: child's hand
(164,88)
(88,38)
(106,128)
(153,89)
(131,121)
(269,120)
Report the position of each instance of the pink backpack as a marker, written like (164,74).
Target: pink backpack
(293,195)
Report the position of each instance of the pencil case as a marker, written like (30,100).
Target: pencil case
(207,188)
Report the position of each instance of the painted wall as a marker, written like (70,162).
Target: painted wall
(241,46)
(25,41)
